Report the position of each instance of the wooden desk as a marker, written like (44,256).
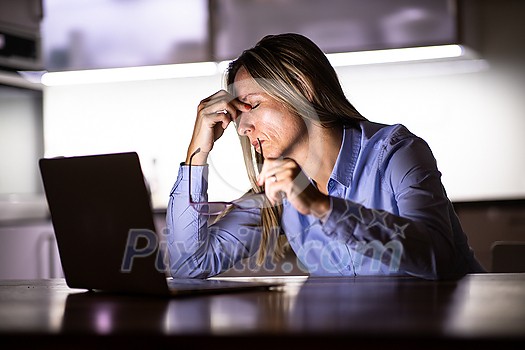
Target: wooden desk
(479,310)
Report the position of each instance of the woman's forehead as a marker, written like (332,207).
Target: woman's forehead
(244,84)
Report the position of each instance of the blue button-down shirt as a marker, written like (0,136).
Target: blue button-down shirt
(389,215)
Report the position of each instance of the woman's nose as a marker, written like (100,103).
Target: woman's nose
(244,124)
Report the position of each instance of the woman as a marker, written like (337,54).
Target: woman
(349,196)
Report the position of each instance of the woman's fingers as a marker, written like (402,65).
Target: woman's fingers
(214,114)
(277,176)
(223,103)
(285,178)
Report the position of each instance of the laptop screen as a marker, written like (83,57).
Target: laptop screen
(101,213)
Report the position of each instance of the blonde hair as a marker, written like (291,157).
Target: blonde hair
(294,71)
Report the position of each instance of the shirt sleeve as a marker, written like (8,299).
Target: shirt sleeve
(197,248)
(421,230)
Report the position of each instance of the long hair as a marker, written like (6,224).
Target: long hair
(293,70)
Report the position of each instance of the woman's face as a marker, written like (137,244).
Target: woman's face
(282,134)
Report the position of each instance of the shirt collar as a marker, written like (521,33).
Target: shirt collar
(346,160)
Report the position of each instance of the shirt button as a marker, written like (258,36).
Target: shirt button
(330,184)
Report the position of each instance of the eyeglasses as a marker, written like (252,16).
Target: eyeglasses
(247,202)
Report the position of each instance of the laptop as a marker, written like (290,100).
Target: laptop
(102,216)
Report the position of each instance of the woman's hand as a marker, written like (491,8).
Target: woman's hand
(284,177)
(214,114)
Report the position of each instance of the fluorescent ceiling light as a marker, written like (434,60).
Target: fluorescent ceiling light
(198,69)
(395,55)
(111,75)
(20,80)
